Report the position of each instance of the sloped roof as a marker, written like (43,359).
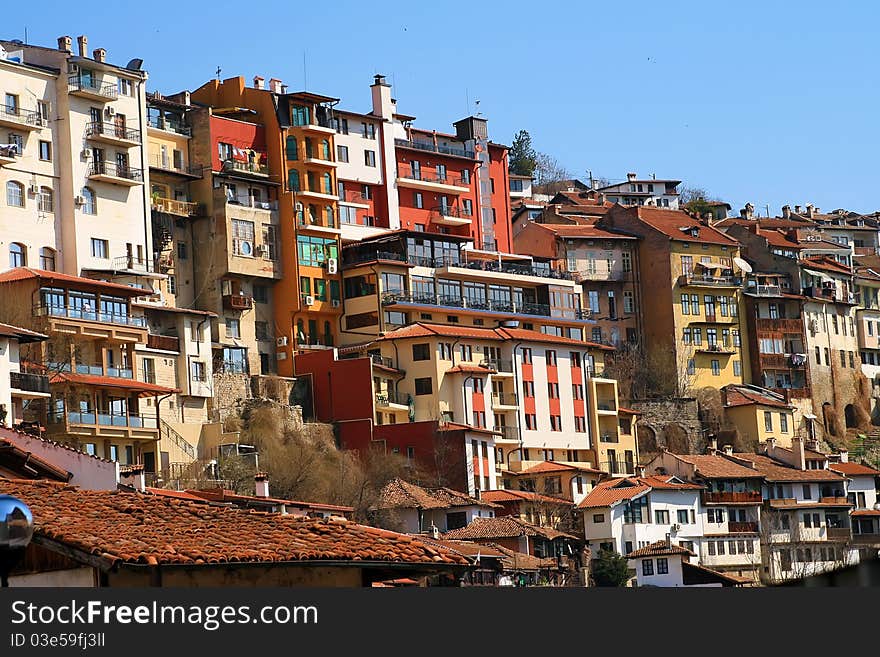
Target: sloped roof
(145,389)
(774,470)
(613,491)
(824,263)
(510,495)
(737,395)
(715,466)
(29,273)
(553,466)
(22,335)
(660,549)
(425,330)
(675,224)
(503,527)
(854,469)
(400,494)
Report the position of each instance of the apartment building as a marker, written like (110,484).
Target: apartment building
(866,272)
(690,296)
(520,187)
(643,191)
(75,127)
(603,262)
(563,482)
(760,414)
(862,482)
(20,381)
(407,276)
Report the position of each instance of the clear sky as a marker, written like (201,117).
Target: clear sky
(769,102)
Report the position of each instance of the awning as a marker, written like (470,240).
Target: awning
(142,388)
(823,276)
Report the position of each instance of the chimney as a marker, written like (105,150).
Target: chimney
(275,85)
(133,476)
(383,105)
(65,44)
(258,82)
(261,484)
(770,446)
(83,43)
(99,55)
(843,455)
(728,450)
(640,470)
(797,446)
(435,533)
(797,209)
(630,177)
(713,445)
(284,88)
(786,211)
(810,210)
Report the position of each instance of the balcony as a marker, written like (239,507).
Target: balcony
(431,182)
(715,349)
(172,206)
(163,342)
(102,423)
(449,216)
(320,125)
(838,533)
(780,325)
(111,172)
(502,307)
(238,301)
(835,501)
(504,400)
(764,290)
(132,264)
(742,527)
(319,161)
(306,193)
(89,315)
(606,406)
(616,275)
(508,433)
(504,267)
(28,383)
(742,497)
(254,169)
(391,401)
(12,116)
(111,133)
(357,199)
(91,88)
(609,438)
(248,201)
(188,171)
(430,146)
(98,370)
(9,153)
(866,539)
(161,123)
(499,365)
(829,294)
(693,280)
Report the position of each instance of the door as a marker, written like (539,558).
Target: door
(122,164)
(119,125)
(98,160)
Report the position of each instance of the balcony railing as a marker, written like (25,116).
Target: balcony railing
(90,85)
(842,501)
(110,129)
(104,419)
(390,397)
(172,206)
(238,301)
(246,167)
(351,196)
(839,533)
(9,151)
(742,527)
(765,290)
(98,370)
(712,281)
(163,342)
(18,115)
(435,148)
(113,169)
(131,263)
(609,438)
(832,294)
(171,126)
(89,315)
(732,497)
(29,382)
(450,211)
(498,364)
(606,405)
(384,361)
(504,399)
(508,433)
(251,202)
(425,176)
(166,164)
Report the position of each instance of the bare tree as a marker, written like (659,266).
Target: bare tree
(549,172)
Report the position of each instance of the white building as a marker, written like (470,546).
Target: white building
(665,565)
(413,509)
(17,384)
(520,187)
(643,191)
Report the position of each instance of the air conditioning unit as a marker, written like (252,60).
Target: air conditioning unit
(110,111)
(79,200)
(675,528)
(310,300)
(262,250)
(85,153)
(33,189)
(73,68)
(282,341)
(298,206)
(331,265)
(280,355)
(336,303)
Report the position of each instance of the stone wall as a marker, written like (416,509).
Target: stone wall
(671,423)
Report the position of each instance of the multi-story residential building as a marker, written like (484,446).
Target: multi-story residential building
(520,187)
(862,481)
(406,276)
(867,285)
(666,565)
(603,262)
(689,296)
(625,514)
(20,382)
(565,481)
(75,125)
(643,191)
(414,509)
(730,508)
(816,290)
(760,414)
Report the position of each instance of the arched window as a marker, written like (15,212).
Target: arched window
(17,255)
(329,217)
(313,213)
(90,205)
(328,183)
(15,194)
(325,149)
(47,259)
(46,202)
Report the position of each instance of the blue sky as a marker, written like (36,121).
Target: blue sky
(753,101)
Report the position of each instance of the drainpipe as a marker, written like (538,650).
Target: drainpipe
(518,419)
(148,245)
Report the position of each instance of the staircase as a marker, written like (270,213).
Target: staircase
(166,431)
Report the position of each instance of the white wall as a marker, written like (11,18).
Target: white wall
(80,577)
(8,363)
(674,578)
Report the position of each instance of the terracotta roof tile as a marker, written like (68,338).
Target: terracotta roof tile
(824,263)
(659,549)
(21,334)
(145,389)
(612,491)
(553,466)
(425,330)
(776,471)
(736,395)
(520,561)
(27,465)
(467,549)
(133,528)
(399,494)
(854,469)
(503,527)
(671,223)
(715,466)
(508,495)
(28,273)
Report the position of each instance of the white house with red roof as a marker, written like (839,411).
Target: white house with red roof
(629,513)
(664,564)
(861,492)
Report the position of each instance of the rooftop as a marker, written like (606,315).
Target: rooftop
(614,491)
(774,470)
(399,494)
(52,277)
(660,549)
(423,330)
(503,527)
(745,395)
(677,225)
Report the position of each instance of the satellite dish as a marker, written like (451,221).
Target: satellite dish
(743,265)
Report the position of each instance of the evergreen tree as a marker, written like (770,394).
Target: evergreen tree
(522,158)
(610,569)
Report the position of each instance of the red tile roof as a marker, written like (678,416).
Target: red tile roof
(20,334)
(400,494)
(176,494)
(27,465)
(585,231)
(516,561)
(613,491)
(671,223)
(470,369)
(425,330)
(553,466)
(29,273)
(777,471)
(854,469)
(503,527)
(11,435)
(866,513)
(145,389)
(120,527)
(223,495)
(172,309)
(467,549)
(824,263)
(659,549)
(509,495)
(736,395)
(716,466)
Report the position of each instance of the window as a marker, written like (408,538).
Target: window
(172,284)
(100,248)
(662,566)
(527,356)
(342,153)
(842,358)
(182,250)
(783,422)
(423,386)
(479,419)
(715,515)
(648,567)
(555,423)
(806,491)
(768,421)
(661,517)
(124,87)
(553,390)
(628,302)
(242,237)
(46,151)
(687,264)
(233,328)
(89,205)
(737,368)
(446,352)
(370,158)
(531,421)
(580,424)
(17,255)
(716,367)
(851,360)
(418,201)
(598,518)
(577,391)
(551,357)
(682,516)
(691,367)
(528,388)
(421,351)
(479,385)
(14,194)
(47,259)
(697,334)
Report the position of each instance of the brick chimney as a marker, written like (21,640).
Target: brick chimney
(65,44)
(728,450)
(786,211)
(275,85)
(99,55)
(811,211)
(258,82)
(261,484)
(83,44)
(797,209)
(797,446)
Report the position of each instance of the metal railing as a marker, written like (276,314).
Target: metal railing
(722,281)
(69,312)
(250,202)
(451,211)
(382,360)
(104,419)
(113,169)
(29,382)
(110,129)
(351,196)
(166,164)
(246,167)
(606,405)
(19,115)
(131,263)
(513,308)
(162,123)
(166,431)
(498,364)
(504,399)
(91,85)
(98,370)
(509,433)
(390,397)
(172,206)
(765,290)
(423,176)
(435,148)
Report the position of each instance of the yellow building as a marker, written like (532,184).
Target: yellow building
(615,447)
(759,414)
(691,292)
